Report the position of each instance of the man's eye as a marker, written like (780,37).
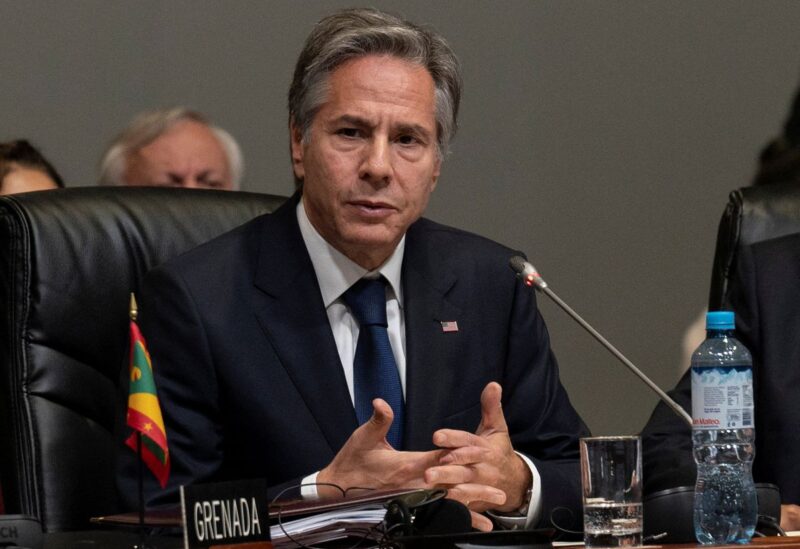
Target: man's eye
(348,132)
(407,140)
(209,181)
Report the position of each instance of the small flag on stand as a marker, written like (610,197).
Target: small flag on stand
(144,411)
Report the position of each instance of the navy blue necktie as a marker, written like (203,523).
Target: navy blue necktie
(374,368)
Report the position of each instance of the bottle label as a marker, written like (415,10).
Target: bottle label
(722,398)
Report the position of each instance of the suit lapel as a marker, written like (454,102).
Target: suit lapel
(431,352)
(295,322)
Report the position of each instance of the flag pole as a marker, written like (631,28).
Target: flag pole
(133,312)
(140,473)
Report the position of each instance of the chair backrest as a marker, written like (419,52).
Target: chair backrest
(69,259)
(753,214)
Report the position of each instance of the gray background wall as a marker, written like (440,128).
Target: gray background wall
(601,138)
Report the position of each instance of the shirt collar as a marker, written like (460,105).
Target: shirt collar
(336,272)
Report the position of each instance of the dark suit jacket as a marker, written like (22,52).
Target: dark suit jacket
(251,383)
(765,295)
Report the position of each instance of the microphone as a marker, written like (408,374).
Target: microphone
(426,513)
(531,277)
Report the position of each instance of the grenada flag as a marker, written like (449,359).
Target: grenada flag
(144,412)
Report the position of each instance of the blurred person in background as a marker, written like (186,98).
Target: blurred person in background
(667,446)
(778,161)
(174,147)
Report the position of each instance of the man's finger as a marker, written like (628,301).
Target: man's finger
(480,522)
(477,496)
(492,417)
(375,429)
(468,455)
(452,438)
(449,474)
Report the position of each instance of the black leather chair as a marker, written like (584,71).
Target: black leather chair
(69,259)
(753,214)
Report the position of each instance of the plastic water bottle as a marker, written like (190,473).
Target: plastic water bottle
(725,505)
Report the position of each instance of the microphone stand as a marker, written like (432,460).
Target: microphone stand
(531,277)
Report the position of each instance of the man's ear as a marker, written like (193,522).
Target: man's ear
(296,140)
(437,168)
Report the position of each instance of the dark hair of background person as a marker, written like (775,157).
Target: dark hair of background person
(780,159)
(21,153)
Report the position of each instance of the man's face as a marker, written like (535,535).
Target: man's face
(371,160)
(188,155)
(22,180)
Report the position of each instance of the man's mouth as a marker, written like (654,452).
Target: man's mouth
(372,208)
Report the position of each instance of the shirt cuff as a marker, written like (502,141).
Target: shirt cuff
(308,489)
(519,521)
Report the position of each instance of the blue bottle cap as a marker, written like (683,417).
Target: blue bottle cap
(720,320)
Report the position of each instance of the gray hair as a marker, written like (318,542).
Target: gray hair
(356,33)
(146,127)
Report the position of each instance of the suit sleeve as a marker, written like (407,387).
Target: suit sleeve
(667,460)
(543,423)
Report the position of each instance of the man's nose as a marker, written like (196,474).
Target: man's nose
(377,163)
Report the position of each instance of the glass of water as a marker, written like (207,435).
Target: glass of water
(611,477)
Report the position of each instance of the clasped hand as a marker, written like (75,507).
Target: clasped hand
(480,470)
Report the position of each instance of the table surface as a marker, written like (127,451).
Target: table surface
(127,540)
(101,539)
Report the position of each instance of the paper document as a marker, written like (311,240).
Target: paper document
(360,521)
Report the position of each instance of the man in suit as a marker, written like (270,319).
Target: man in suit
(255,337)
(764,283)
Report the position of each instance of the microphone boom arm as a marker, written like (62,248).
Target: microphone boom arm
(531,277)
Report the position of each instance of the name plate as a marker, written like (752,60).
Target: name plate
(225,514)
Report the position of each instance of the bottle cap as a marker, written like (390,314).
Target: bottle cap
(719,320)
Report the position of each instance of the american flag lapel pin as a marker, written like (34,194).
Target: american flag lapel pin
(449,325)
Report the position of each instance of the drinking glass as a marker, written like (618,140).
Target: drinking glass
(611,477)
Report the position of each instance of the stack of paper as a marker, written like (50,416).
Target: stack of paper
(360,521)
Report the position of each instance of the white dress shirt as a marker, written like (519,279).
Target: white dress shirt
(336,273)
